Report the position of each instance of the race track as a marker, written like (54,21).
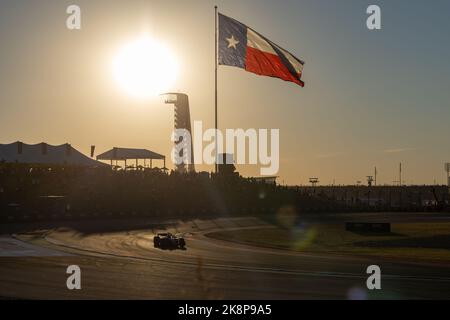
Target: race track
(125,265)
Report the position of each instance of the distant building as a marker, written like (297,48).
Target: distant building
(266,180)
(226,164)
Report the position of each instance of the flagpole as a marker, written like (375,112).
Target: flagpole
(215,63)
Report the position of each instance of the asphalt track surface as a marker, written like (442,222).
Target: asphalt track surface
(123,264)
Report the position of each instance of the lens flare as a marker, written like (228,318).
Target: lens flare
(145,68)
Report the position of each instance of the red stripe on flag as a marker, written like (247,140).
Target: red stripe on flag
(268,64)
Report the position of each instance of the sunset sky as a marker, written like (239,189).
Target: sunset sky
(372,98)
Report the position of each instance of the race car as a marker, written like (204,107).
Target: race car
(168,240)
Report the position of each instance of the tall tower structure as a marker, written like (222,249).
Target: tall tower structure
(182,121)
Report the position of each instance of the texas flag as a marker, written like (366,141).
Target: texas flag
(242,47)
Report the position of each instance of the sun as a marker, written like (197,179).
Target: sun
(145,68)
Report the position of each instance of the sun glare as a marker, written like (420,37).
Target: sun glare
(145,68)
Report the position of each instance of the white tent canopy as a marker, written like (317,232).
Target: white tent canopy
(44,153)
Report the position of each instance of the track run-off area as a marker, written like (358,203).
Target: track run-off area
(118,261)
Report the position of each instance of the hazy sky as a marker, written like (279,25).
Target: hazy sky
(371,97)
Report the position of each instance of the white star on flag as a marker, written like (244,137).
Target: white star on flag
(232,42)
